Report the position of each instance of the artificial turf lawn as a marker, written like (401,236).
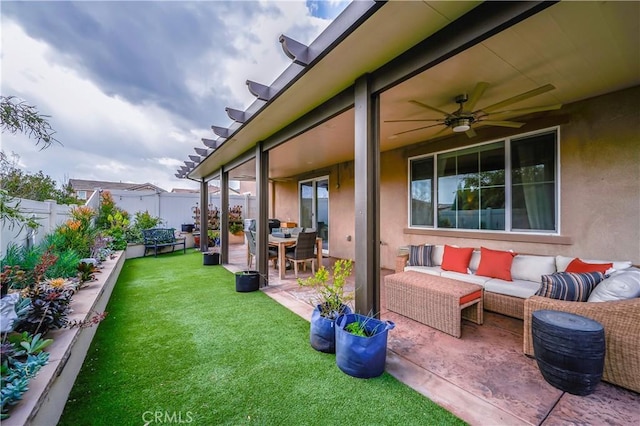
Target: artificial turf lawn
(180,343)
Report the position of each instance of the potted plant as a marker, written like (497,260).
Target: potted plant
(212,256)
(247,281)
(361,345)
(330,302)
(236,233)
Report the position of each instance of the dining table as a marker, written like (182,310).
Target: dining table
(282,243)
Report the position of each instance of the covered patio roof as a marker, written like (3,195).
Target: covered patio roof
(442,49)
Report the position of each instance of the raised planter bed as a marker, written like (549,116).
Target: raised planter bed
(48,391)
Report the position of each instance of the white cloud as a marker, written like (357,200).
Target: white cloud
(106,136)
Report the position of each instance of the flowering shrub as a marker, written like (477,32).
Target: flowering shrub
(78,233)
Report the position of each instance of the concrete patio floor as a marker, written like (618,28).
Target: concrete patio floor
(483,377)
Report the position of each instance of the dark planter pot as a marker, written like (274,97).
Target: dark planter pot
(247,281)
(187,227)
(210,259)
(323,332)
(362,357)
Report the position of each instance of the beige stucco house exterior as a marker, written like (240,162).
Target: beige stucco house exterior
(564,179)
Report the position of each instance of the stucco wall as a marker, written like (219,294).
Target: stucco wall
(341,205)
(600,188)
(599,191)
(601,177)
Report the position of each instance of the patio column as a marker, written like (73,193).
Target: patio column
(224,216)
(204,214)
(262,227)
(367,199)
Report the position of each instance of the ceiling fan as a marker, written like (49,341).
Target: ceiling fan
(465,116)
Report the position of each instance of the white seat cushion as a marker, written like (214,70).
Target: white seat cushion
(437,254)
(468,278)
(475,261)
(516,288)
(531,268)
(431,270)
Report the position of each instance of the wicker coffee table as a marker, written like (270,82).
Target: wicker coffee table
(438,302)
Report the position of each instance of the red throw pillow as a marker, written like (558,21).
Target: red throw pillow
(495,264)
(579,266)
(456,258)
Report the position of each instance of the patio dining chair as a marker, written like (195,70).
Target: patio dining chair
(251,242)
(303,251)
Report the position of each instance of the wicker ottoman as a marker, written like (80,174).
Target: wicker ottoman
(438,302)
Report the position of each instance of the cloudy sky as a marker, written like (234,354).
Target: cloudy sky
(132,87)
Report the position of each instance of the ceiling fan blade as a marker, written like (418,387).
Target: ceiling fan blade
(414,130)
(521,97)
(416,119)
(477,93)
(444,129)
(514,124)
(470,133)
(522,111)
(429,107)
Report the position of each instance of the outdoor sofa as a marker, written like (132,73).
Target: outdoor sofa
(517,298)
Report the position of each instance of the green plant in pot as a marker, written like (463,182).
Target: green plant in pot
(236,228)
(361,344)
(214,238)
(330,301)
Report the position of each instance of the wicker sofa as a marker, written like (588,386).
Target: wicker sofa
(620,319)
(504,297)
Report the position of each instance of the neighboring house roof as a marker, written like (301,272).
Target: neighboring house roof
(90,185)
(184,191)
(212,190)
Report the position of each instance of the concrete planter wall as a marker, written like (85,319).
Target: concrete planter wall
(134,250)
(48,391)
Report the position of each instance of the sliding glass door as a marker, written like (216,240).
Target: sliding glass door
(314,207)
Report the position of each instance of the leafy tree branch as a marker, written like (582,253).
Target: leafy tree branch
(16,116)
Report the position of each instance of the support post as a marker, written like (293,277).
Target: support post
(204,215)
(262,227)
(367,199)
(224,216)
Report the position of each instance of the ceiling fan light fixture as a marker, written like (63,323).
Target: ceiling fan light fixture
(461,125)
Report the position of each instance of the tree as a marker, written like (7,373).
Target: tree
(16,116)
(32,186)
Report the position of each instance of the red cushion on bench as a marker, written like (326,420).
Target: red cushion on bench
(471,296)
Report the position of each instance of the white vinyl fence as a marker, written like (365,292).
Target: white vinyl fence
(48,214)
(174,209)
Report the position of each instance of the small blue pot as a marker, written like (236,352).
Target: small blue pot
(322,333)
(358,356)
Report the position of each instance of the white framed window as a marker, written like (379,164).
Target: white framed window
(81,195)
(508,185)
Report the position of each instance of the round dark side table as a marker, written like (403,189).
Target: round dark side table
(569,350)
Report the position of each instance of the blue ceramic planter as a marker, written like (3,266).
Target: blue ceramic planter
(358,356)
(322,334)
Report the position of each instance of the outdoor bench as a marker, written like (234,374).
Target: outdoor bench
(156,238)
